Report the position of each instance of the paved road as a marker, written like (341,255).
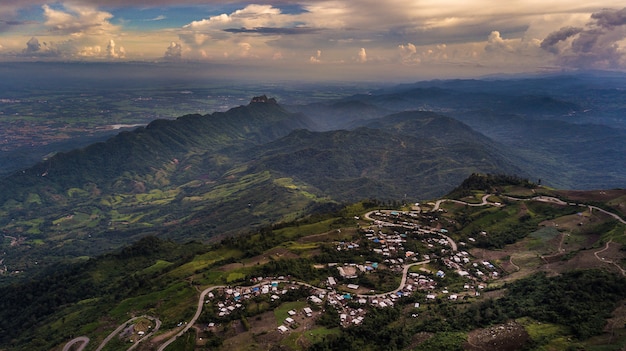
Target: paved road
(606,247)
(157,323)
(83,339)
(453,244)
(122,326)
(483,202)
(558,201)
(405,273)
(194,319)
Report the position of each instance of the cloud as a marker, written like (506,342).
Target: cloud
(157,18)
(174,51)
(412,54)
(317,58)
(245,49)
(32,46)
(40,49)
(252,16)
(362,56)
(408,53)
(274,31)
(74,31)
(596,45)
(610,18)
(77,20)
(550,42)
(112,53)
(495,43)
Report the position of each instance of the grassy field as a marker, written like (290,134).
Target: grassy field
(281,311)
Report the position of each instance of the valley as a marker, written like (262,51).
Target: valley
(413,217)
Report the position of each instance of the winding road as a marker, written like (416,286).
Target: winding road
(558,201)
(85,340)
(405,273)
(194,319)
(483,202)
(606,247)
(81,339)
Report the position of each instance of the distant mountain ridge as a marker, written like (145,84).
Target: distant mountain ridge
(565,129)
(201,177)
(160,142)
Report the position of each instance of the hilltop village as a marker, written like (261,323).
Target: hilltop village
(418,266)
(392,236)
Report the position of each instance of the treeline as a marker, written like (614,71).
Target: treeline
(579,300)
(27,308)
(488,183)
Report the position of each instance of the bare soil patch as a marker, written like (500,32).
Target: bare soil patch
(510,336)
(330,236)
(276,253)
(615,197)
(592,195)
(586,259)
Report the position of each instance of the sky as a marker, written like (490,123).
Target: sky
(325,39)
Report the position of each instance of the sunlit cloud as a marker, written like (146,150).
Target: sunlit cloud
(404,36)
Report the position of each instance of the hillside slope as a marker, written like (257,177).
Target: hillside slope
(202,177)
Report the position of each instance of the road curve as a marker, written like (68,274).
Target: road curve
(405,273)
(558,201)
(194,319)
(453,244)
(157,325)
(483,202)
(81,339)
(122,326)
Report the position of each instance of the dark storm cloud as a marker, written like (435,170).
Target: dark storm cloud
(594,46)
(32,46)
(555,37)
(610,18)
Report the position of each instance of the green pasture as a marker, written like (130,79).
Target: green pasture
(202,262)
(281,311)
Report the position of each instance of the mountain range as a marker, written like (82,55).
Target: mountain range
(214,175)
(138,222)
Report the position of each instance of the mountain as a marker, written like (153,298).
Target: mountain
(112,165)
(393,157)
(564,129)
(207,177)
(343,114)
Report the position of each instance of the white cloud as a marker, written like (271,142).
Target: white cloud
(362,56)
(158,18)
(408,35)
(77,21)
(495,43)
(113,53)
(317,58)
(252,16)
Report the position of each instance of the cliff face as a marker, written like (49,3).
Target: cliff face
(263,99)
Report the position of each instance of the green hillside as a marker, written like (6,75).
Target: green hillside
(206,177)
(551,277)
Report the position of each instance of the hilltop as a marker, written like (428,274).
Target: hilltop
(503,264)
